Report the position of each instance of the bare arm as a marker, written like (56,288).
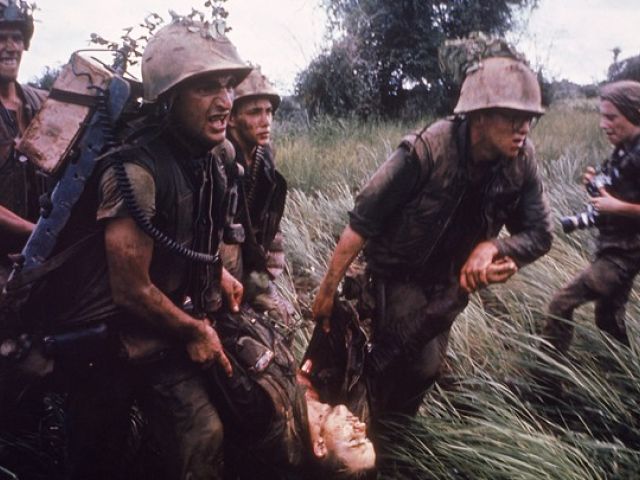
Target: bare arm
(129,253)
(347,249)
(14,230)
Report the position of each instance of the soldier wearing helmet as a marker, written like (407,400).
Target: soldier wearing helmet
(19,185)
(261,201)
(428,223)
(138,280)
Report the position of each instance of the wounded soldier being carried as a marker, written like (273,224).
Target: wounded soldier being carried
(275,424)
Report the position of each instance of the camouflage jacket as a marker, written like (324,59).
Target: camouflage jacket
(263,406)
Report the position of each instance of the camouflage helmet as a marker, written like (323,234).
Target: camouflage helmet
(17,13)
(500,82)
(256,85)
(183,50)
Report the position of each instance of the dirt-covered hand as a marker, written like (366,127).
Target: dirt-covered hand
(232,290)
(474,272)
(501,270)
(206,348)
(322,308)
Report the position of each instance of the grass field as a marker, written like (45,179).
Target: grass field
(485,420)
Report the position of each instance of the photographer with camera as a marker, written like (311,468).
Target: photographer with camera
(594,181)
(615,208)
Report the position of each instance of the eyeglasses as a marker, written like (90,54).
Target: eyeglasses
(518,119)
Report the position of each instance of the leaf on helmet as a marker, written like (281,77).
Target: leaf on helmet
(461,56)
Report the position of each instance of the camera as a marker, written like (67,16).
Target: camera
(589,217)
(579,221)
(600,179)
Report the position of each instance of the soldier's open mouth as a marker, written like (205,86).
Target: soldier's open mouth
(9,62)
(219,117)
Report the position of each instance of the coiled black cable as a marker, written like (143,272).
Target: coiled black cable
(252,178)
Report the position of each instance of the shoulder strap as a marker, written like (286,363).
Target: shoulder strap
(33,96)
(22,278)
(417,144)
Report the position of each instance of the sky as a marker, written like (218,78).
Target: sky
(573,39)
(282,36)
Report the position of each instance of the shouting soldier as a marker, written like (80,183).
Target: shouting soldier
(145,238)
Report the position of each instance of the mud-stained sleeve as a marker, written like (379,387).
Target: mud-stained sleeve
(530,225)
(111,203)
(391,186)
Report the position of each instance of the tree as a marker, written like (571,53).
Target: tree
(47,76)
(337,83)
(626,69)
(396,43)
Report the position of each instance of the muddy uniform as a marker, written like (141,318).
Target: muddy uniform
(20,187)
(260,259)
(422,213)
(137,360)
(609,278)
(262,406)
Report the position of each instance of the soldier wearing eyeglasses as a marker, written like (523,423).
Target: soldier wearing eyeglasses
(428,222)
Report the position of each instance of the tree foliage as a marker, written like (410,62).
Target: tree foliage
(627,69)
(128,49)
(46,78)
(385,49)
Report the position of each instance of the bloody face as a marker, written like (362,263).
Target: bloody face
(201,107)
(346,439)
(251,121)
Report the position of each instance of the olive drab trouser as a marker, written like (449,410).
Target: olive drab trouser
(411,344)
(607,281)
(410,337)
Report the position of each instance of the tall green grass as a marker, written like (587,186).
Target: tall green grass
(487,419)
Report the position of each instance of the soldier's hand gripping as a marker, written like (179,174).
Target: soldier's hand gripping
(206,348)
(474,272)
(322,308)
(501,270)
(232,289)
